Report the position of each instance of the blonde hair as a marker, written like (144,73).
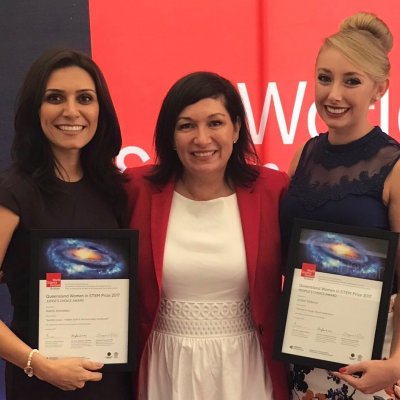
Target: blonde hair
(366,41)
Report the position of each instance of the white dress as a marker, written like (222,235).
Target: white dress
(204,345)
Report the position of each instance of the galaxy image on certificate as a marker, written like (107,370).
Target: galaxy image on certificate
(80,258)
(348,255)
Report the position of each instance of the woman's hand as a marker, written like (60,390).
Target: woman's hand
(376,375)
(396,389)
(66,373)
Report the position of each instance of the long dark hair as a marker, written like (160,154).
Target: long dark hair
(31,151)
(189,90)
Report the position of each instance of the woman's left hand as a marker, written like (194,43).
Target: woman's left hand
(394,391)
(376,375)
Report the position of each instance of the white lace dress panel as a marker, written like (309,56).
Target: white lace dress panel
(204,345)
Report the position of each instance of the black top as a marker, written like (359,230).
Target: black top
(341,183)
(74,206)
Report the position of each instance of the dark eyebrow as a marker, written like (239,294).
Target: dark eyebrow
(210,116)
(350,73)
(353,73)
(217,114)
(62,91)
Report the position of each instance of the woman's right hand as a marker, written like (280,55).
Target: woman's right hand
(66,373)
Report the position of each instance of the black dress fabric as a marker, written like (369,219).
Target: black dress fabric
(341,184)
(74,206)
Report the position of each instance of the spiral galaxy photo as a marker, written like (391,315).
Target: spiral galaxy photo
(83,258)
(348,255)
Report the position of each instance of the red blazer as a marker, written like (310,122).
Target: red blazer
(149,208)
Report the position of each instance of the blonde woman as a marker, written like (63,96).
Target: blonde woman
(349,175)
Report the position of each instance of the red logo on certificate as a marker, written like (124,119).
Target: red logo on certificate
(308,270)
(53,279)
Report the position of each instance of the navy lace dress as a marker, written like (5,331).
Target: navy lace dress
(341,184)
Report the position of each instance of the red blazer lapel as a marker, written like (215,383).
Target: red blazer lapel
(249,207)
(160,209)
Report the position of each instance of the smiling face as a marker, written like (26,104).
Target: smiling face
(69,111)
(343,94)
(204,138)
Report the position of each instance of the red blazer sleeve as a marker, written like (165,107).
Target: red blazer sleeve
(259,211)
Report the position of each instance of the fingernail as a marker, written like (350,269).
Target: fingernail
(343,370)
(396,390)
(99,364)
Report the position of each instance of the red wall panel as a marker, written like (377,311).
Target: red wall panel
(266,47)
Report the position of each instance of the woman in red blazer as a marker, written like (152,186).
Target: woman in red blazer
(209,254)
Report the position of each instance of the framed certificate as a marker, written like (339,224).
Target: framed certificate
(83,291)
(336,294)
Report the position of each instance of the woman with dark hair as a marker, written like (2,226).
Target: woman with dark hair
(31,150)
(63,177)
(209,253)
